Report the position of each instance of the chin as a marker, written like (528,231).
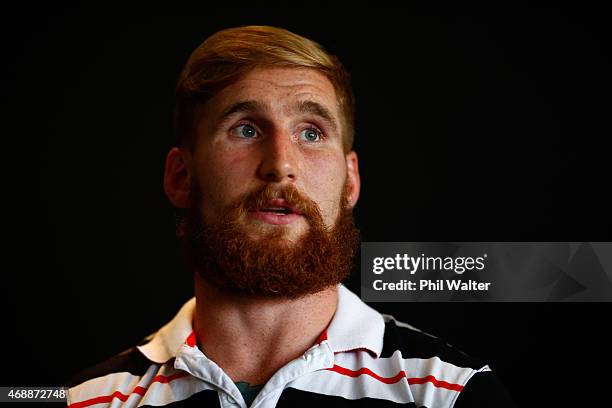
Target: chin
(282,237)
(260,230)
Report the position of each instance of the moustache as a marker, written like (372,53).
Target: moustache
(287,197)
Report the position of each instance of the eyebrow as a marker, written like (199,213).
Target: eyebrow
(244,106)
(302,107)
(317,109)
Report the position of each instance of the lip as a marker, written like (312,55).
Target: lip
(275,219)
(281,202)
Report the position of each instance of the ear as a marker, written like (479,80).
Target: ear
(177,177)
(353,179)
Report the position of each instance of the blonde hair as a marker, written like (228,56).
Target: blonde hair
(228,54)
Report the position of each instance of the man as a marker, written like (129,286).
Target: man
(265,178)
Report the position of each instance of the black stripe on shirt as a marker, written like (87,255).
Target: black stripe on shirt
(416,344)
(484,390)
(202,399)
(131,360)
(292,398)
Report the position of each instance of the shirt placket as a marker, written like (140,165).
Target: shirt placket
(193,361)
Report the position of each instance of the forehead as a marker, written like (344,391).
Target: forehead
(276,88)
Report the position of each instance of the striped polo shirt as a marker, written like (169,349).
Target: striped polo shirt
(363,358)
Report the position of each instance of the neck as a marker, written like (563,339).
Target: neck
(251,337)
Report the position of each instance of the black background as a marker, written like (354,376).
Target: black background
(472,125)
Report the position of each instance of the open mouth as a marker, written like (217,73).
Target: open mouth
(277,211)
(279,206)
(280,210)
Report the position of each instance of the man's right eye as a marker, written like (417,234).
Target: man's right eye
(246,131)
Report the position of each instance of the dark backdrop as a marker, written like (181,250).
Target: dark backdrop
(483,125)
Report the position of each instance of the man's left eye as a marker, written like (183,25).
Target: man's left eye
(310,135)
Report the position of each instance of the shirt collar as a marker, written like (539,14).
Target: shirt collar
(167,341)
(355,325)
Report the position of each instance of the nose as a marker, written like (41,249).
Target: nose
(279,161)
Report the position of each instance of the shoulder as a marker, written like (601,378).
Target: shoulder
(432,360)
(131,376)
(114,378)
(130,361)
(415,343)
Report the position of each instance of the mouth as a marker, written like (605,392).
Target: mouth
(277,212)
(279,206)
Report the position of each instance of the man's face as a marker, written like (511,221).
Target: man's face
(271,189)
(278,127)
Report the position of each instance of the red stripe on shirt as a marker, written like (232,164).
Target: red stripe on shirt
(191,339)
(392,380)
(436,382)
(123,397)
(322,337)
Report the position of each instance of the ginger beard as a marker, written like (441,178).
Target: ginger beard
(223,254)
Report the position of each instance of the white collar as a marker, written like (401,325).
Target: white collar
(355,325)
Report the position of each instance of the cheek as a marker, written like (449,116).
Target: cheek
(223,176)
(324,176)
